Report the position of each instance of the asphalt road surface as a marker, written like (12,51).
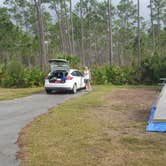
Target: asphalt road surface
(16,114)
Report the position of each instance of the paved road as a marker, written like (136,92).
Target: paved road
(15,114)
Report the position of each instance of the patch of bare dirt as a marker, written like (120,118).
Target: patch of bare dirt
(126,111)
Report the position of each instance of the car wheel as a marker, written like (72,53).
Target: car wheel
(74,90)
(48,91)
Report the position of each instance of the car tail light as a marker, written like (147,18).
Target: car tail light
(69,77)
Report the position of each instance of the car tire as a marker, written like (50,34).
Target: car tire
(74,90)
(48,91)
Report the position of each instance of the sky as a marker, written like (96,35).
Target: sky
(144,11)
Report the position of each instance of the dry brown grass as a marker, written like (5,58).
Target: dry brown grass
(12,93)
(103,128)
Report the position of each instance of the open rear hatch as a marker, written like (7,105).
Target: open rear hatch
(58,64)
(59,70)
(58,76)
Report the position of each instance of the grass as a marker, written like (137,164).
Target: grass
(104,127)
(10,93)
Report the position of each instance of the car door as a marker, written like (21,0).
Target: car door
(75,78)
(80,79)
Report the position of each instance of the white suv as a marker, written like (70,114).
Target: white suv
(63,78)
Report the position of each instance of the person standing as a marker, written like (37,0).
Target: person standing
(87,77)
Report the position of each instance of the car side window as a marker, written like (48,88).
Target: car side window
(79,74)
(74,73)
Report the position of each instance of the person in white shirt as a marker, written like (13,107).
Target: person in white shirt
(87,77)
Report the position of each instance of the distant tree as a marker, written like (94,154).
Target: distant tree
(72,29)
(139,34)
(41,33)
(126,17)
(93,30)
(110,31)
(159,7)
(23,14)
(152,25)
(82,33)
(6,34)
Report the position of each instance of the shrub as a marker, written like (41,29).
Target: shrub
(152,69)
(116,75)
(111,74)
(98,75)
(13,76)
(18,76)
(2,71)
(33,77)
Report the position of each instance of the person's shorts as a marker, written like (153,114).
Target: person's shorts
(86,81)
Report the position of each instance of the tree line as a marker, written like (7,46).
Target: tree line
(97,32)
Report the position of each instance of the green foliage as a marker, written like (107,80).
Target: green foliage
(111,74)
(7,30)
(18,31)
(16,75)
(152,69)
(99,75)
(2,71)
(33,77)
(13,75)
(116,75)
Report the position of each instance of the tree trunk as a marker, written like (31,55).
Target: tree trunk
(72,29)
(139,35)
(63,27)
(152,25)
(158,29)
(41,34)
(110,32)
(82,34)
(67,29)
(60,29)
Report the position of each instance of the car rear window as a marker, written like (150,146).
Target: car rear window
(58,74)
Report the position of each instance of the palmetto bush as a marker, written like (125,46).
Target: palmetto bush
(111,74)
(33,77)
(13,75)
(16,75)
(151,70)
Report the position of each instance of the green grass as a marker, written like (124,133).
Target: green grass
(87,131)
(9,93)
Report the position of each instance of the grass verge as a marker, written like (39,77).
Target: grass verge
(104,127)
(8,94)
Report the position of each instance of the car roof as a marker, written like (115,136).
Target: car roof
(70,70)
(73,69)
(57,60)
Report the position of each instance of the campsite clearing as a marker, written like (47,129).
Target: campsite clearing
(104,127)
